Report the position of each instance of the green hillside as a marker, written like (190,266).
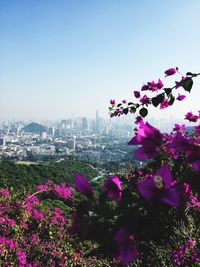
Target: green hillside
(19,175)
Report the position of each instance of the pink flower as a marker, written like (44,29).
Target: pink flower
(82,185)
(4,192)
(112,188)
(112,102)
(126,250)
(190,117)
(144,100)
(164,104)
(136,94)
(150,138)
(159,187)
(178,127)
(180,97)
(171,71)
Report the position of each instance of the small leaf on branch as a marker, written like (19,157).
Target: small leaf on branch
(143,112)
(168,91)
(133,109)
(158,99)
(171,99)
(119,105)
(187,84)
(130,103)
(189,74)
(125,111)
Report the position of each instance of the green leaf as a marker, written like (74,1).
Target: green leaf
(171,99)
(187,84)
(158,99)
(168,91)
(143,112)
(130,103)
(125,111)
(119,105)
(133,109)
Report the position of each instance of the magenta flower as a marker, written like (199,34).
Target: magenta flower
(180,83)
(178,128)
(124,101)
(164,104)
(4,192)
(180,97)
(151,140)
(171,71)
(42,187)
(63,191)
(112,188)
(159,187)
(126,248)
(145,87)
(190,117)
(155,86)
(136,94)
(144,100)
(197,129)
(82,185)
(79,225)
(159,84)
(112,102)
(138,119)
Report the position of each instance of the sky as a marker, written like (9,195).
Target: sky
(62,58)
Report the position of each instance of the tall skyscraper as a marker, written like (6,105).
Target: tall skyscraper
(84,124)
(97,120)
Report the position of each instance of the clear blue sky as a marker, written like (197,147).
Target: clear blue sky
(63,57)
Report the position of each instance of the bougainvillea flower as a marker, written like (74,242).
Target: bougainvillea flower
(197,129)
(150,138)
(190,117)
(136,94)
(171,71)
(79,225)
(82,185)
(193,155)
(180,83)
(112,188)
(124,101)
(178,127)
(144,100)
(159,187)
(155,86)
(138,119)
(112,102)
(126,248)
(164,104)
(145,87)
(180,97)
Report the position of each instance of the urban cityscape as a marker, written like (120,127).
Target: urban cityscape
(94,140)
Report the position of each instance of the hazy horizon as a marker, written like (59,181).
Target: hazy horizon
(63,58)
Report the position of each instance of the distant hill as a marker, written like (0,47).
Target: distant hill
(27,176)
(34,127)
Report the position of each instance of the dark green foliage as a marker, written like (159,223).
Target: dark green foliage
(143,112)
(27,176)
(187,84)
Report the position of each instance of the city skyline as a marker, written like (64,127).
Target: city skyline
(64,58)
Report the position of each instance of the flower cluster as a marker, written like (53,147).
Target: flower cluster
(164,98)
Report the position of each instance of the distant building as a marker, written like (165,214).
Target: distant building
(84,124)
(97,121)
(72,143)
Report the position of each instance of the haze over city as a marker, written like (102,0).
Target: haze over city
(64,58)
